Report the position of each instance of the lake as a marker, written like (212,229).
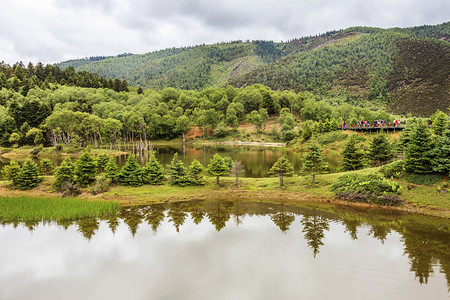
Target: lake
(257,160)
(228,250)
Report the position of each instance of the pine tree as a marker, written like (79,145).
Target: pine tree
(177,172)
(102,160)
(281,167)
(153,171)
(28,177)
(380,149)
(438,122)
(195,173)
(313,161)
(64,173)
(11,172)
(85,169)
(218,167)
(352,157)
(112,170)
(131,173)
(441,153)
(46,166)
(418,156)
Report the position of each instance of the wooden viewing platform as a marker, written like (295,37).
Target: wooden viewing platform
(374,129)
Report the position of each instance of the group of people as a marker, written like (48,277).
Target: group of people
(376,123)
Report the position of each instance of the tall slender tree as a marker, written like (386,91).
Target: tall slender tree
(313,161)
(418,154)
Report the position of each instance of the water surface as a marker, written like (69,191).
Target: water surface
(228,250)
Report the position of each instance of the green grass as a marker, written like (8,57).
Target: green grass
(53,209)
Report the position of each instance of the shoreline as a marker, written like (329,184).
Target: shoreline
(145,195)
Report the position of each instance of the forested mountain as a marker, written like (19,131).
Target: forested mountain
(406,69)
(18,78)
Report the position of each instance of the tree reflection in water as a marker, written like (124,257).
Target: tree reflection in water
(313,228)
(425,240)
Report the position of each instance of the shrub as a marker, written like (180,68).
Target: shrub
(36,150)
(221,130)
(423,179)
(101,185)
(70,189)
(393,170)
(11,171)
(371,188)
(331,137)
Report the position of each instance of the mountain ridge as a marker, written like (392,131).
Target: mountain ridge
(364,63)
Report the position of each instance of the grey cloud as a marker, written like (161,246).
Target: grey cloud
(52,30)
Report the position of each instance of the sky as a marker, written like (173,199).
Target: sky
(51,31)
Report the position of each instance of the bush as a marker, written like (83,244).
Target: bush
(36,150)
(101,185)
(423,179)
(393,170)
(371,188)
(68,189)
(331,137)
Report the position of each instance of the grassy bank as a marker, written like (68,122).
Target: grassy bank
(423,199)
(53,209)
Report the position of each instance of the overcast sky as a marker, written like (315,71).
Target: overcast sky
(55,30)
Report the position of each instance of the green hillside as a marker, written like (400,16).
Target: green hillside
(404,69)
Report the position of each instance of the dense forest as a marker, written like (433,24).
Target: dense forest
(80,117)
(18,78)
(403,68)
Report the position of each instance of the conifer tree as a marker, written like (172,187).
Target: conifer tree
(441,154)
(112,170)
(11,172)
(438,122)
(281,167)
(28,177)
(46,166)
(218,167)
(380,149)
(352,157)
(195,173)
(313,161)
(177,172)
(85,169)
(418,156)
(102,160)
(131,173)
(153,171)
(64,173)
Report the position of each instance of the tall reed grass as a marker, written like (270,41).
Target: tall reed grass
(54,209)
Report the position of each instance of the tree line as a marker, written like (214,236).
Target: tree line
(80,117)
(21,78)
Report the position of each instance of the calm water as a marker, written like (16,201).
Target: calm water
(228,250)
(257,160)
